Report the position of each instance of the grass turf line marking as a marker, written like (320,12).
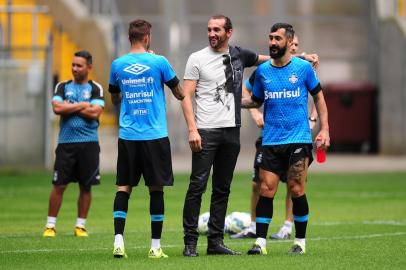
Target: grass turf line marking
(327,223)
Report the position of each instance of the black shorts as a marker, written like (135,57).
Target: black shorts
(258,161)
(151,159)
(278,158)
(77,162)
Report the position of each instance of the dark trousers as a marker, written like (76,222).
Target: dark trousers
(221,147)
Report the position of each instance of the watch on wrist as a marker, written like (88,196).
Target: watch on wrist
(313,119)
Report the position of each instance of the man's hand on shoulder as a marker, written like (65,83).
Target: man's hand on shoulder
(312,58)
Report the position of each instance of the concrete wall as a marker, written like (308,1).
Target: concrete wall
(392,86)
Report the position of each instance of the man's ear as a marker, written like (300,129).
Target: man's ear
(229,32)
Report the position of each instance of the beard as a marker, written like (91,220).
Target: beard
(216,42)
(79,77)
(276,52)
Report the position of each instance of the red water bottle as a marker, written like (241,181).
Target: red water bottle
(320,153)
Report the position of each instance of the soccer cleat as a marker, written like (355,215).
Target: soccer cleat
(49,232)
(257,250)
(80,232)
(246,233)
(297,248)
(283,234)
(156,253)
(119,252)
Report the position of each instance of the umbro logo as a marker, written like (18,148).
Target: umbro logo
(136,69)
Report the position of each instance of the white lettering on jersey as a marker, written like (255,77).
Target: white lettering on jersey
(282,94)
(144,94)
(141,81)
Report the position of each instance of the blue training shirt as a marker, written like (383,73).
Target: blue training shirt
(284,92)
(75,128)
(140,78)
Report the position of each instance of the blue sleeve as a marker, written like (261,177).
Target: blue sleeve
(113,75)
(312,82)
(167,71)
(249,84)
(258,91)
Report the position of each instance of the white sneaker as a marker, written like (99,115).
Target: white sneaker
(283,234)
(246,233)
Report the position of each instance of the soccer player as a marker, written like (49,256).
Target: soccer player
(213,76)
(282,85)
(79,102)
(137,82)
(286,230)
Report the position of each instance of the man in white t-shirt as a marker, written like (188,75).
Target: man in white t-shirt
(214,77)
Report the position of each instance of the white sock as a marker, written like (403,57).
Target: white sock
(155,243)
(253,225)
(261,242)
(301,241)
(80,222)
(118,240)
(288,226)
(51,221)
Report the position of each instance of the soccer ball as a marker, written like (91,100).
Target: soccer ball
(202,227)
(236,222)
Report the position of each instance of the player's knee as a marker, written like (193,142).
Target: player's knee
(267,190)
(59,189)
(296,190)
(126,189)
(85,189)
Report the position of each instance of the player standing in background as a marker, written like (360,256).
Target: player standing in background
(79,102)
(286,230)
(283,84)
(213,76)
(137,82)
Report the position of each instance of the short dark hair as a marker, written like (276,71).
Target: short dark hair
(228,25)
(289,32)
(138,29)
(86,55)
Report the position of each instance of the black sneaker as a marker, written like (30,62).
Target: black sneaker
(190,251)
(221,249)
(297,249)
(257,250)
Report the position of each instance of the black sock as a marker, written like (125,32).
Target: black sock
(264,212)
(300,215)
(156,209)
(120,209)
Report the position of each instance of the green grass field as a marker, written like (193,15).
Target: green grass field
(357,221)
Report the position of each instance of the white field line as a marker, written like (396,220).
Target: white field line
(336,238)
(274,225)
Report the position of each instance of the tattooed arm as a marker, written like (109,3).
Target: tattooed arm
(176,88)
(177,91)
(248,103)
